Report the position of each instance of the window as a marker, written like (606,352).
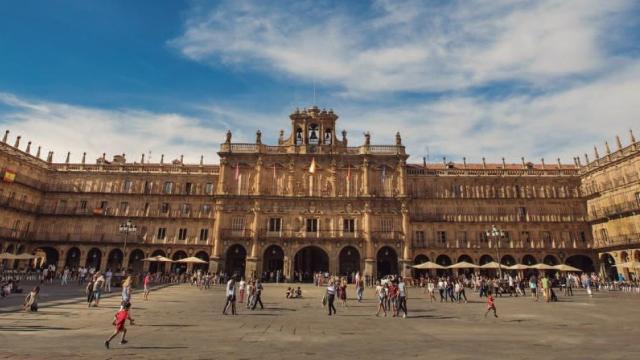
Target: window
(127,185)
(164,208)
(275,224)
(206,208)
(442,237)
(604,236)
(482,237)
(546,236)
(348,225)
(168,187)
(146,209)
(420,238)
(461,238)
(526,238)
(103,204)
(312,225)
(124,207)
(188,188)
(147,187)
(204,234)
(62,205)
(386,225)
(186,209)
(162,233)
(522,214)
(83,204)
(237,223)
(208,188)
(182,234)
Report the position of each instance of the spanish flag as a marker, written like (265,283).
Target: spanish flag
(9,176)
(312,167)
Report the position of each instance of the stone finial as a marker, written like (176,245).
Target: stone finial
(523,164)
(595,152)
(5,137)
(618,142)
(181,159)
(258,137)
(281,137)
(444,160)
(367,139)
(142,159)
(228,137)
(559,164)
(542,161)
(201,159)
(632,138)
(586,158)
(28,151)
(84,157)
(484,163)
(17,142)
(66,161)
(504,164)
(464,161)
(579,163)
(50,157)
(398,138)
(162,156)
(104,157)
(606,146)
(344,137)
(424,162)
(38,152)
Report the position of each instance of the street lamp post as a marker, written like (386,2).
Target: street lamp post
(496,234)
(126,228)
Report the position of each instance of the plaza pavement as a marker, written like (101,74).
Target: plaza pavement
(182,322)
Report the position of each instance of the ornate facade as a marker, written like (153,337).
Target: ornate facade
(309,203)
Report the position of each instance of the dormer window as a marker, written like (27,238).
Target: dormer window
(314,138)
(299,136)
(327,137)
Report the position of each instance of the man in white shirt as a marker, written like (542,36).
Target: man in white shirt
(231,297)
(402,297)
(107,277)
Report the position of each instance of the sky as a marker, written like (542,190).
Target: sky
(473,78)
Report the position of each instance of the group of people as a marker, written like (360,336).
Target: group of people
(236,291)
(392,296)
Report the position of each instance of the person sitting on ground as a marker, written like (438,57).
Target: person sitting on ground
(289,293)
(31,301)
(298,292)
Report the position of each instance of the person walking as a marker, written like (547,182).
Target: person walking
(533,285)
(65,277)
(359,286)
(546,284)
(126,290)
(107,280)
(431,289)
(381,294)
(257,294)
(146,283)
(242,287)
(230,297)
(343,292)
(98,285)
(402,297)
(331,296)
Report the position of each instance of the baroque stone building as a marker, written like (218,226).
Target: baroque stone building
(313,203)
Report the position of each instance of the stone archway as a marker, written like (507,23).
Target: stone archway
(272,262)
(309,260)
(581,262)
(73,258)
(387,262)
(94,258)
(508,260)
(485,259)
(156,266)
(136,265)
(176,267)
(550,260)
(235,263)
(202,255)
(114,260)
(420,259)
(51,256)
(608,263)
(443,260)
(349,262)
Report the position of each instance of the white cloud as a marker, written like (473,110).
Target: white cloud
(62,127)
(407,45)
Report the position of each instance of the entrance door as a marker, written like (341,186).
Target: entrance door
(308,261)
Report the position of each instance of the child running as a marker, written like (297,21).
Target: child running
(120,318)
(491,306)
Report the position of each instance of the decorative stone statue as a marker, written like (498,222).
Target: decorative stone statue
(259,137)
(228,137)
(344,137)
(398,138)
(367,139)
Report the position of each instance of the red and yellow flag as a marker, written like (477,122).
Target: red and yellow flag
(9,176)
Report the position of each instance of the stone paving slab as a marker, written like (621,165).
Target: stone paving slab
(182,322)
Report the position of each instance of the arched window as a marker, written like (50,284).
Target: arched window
(314,136)
(327,137)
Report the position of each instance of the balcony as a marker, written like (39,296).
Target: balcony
(19,205)
(617,210)
(618,240)
(497,218)
(321,234)
(127,213)
(387,235)
(243,234)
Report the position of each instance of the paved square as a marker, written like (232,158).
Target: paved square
(182,322)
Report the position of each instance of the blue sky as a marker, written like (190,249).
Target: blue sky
(459,78)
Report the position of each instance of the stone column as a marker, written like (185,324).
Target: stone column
(369,259)
(405,262)
(252,260)
(62,259)
(221,176)
(287,268)
(215,259)
(365,177)
(402,181)
(83,257)
(258,180)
